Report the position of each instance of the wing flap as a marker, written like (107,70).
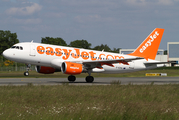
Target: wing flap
(126,60)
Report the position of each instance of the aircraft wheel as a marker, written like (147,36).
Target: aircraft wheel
(71,78)
(26,73)
(89,79)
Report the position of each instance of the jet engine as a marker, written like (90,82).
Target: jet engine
(71,68)
(45,70)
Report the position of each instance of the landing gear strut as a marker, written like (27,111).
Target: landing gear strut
(27,70)
(71,78)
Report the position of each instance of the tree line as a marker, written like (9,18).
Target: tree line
(78,44)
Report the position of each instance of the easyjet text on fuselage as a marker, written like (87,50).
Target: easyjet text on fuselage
(75,53)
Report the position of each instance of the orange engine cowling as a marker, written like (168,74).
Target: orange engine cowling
(71,68)
(45,70)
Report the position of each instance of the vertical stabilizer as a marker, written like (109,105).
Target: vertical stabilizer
(148,49)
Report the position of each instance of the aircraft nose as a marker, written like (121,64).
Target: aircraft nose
(6,54)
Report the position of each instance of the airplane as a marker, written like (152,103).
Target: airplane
(73,61)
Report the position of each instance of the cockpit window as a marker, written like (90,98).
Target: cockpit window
(17,47)
(13,47)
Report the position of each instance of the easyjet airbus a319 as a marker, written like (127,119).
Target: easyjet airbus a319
(73,61)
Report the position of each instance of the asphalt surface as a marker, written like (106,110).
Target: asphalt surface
(97,81)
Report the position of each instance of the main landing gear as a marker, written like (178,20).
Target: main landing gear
(71,78)
(27,70)
(89,79)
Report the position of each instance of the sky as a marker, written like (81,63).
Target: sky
(117,23)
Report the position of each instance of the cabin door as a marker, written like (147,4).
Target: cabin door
(32,50)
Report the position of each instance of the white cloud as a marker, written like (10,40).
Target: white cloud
(166,2)
(28,10)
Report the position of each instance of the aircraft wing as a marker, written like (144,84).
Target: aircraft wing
(154,63)
(99,63)
(113,60)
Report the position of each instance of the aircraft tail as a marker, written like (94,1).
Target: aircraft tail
(149,47)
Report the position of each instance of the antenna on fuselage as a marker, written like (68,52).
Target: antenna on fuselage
(32,41)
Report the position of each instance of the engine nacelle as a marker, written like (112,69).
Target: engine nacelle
(44,70)
(71,68)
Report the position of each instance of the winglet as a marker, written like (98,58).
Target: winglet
(148,49)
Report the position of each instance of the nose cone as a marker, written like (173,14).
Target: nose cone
(6,54)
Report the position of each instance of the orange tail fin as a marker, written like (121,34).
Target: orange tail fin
(148,49)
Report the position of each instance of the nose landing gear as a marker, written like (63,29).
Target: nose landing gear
(27,70)
(26,73)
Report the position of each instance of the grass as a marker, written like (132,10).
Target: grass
(65,102)
(68,102)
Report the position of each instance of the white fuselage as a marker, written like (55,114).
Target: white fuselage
(53,56)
